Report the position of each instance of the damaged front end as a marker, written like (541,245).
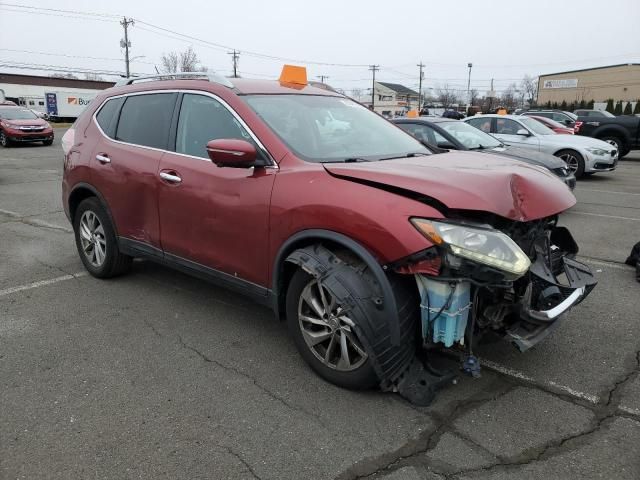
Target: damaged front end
(514,279)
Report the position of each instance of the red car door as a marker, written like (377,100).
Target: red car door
(212,217)
(126,158)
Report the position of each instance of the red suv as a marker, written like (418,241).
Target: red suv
(18,124)
(369,246)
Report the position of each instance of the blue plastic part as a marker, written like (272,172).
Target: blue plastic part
(449,326)
(471,366)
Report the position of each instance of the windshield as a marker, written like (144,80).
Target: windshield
(604,113)
(535,126)
(572,116)
(333,129)
(17,114)
(469,136)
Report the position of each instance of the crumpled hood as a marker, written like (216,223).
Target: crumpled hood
(468,181)
(531,156)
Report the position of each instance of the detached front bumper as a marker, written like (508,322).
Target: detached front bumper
(552,291)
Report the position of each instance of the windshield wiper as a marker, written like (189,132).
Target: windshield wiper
(348,160)
(408,155)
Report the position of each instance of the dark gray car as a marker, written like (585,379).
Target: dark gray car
(456,135)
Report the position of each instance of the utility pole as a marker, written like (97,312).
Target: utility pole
(126,43)
(235,55)
(322,77)
(421,65)
(469,87)
(373,69)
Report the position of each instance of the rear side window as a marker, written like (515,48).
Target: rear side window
(106,117)
(145,119)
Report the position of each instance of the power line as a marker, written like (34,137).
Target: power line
(69,56)
(92,14)
(50,14)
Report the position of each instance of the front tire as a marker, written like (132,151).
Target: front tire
(47,143)
(4,141)
(326,339)
(96,241)
(574,161)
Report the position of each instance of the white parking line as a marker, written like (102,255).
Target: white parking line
(570,212)
(546,383)
(607,191)
(41,283)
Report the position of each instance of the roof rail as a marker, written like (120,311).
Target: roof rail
(211,77)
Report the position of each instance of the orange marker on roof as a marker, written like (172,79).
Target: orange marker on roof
(293,74)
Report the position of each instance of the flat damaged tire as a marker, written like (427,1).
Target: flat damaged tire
(334,311)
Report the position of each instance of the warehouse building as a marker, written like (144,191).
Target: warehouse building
(30,90)
(619,82)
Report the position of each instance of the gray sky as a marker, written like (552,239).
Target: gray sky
(504,39)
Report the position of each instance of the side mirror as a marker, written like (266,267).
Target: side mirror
(447,145)
(229,152)
(524,132)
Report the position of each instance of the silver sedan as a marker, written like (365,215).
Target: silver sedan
(583,155)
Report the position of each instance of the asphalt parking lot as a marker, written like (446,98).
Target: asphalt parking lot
(158,375)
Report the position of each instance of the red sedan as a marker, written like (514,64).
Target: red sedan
(553,125)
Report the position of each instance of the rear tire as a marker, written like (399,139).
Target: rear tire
(96,241)
(574,161)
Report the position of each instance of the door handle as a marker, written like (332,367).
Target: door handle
(170,177)
(103,158)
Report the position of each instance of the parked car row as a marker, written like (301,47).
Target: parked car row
(364,241)
(623,132)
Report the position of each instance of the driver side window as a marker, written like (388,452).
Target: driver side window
(203,119)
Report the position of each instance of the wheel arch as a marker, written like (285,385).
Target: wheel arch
(82,191)
(613,131)
(283,270)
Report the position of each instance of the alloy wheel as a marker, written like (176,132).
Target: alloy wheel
(92,239)
(327,329)
(571,160)
(3,139)
(613,143)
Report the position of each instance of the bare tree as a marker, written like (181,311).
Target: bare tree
(93,76)
(529,85)
(189,61)
(64,75)
(169,62)
(176,62)
(475,96)
(446,95)
(509,98)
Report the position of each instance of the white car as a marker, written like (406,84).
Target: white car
(583,155)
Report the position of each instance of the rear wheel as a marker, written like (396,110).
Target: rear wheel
(96,241)
(574,161)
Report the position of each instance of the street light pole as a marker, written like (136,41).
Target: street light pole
(469,87)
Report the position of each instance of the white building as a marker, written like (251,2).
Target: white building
(391,99)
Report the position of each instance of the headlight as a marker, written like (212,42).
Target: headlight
(598,151)
(488,247)
(47,125)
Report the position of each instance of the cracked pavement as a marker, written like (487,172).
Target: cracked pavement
(158,375)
